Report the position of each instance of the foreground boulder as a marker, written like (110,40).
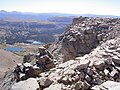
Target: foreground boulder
(29,84)
(108,85)
(8,80)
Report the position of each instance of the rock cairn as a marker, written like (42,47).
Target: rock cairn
(34,64)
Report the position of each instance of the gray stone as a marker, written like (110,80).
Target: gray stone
(66,64)
(86,85)
(64,80)
(106,72)
(118,50)
(87,78)
(8,80)
(78,85)
(89,71)
(44,81)
(97,81)
(99,64)
(69,72)
(29,84)
(83,64)
(108,85)
(112,74)
(116,59)
(54,87)
(82,75)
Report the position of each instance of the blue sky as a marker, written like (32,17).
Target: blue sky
(103,7)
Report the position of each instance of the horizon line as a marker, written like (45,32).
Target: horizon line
(25,12)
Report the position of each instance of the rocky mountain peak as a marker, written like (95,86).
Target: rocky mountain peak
(83,35)
(85,57)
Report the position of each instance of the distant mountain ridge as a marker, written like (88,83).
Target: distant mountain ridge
(45,16)
(39,16)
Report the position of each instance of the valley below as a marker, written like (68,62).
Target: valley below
(15,27)
(21,31)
